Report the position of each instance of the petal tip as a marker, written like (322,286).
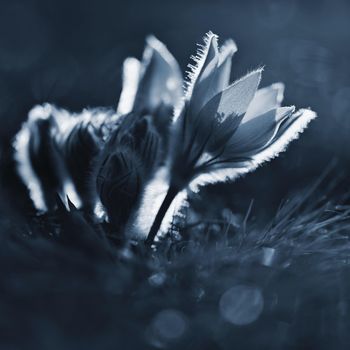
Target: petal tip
(154,43)
(253,76)
(209,36)
(306,114)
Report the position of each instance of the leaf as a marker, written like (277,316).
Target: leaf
(77,234)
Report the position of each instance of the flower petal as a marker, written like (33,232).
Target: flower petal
(39,160)
(218,72)
(201,88)
(226,108)
(294,121)
(25,169)
(160,78)
(80,147)
(251,136)
(225,61)
(290,132)
(229,172)
(236,98)
(233,101)
(264,100)
(131,77)
(213,129)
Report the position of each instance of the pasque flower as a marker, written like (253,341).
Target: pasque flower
(215,131)
(100,155)
(151,89)
(224,130)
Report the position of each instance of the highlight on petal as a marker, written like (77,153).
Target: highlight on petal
(24,167)
(160,79)
(211,72)
(202,86)
(300,121)
(199,60)
(131,77)
(264,100)
(39,162)
(71,194)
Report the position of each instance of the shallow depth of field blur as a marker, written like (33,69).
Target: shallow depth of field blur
(70,53)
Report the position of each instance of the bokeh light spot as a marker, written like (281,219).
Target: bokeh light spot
(169,325)
(241,305)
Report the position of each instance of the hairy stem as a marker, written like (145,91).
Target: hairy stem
(171,194)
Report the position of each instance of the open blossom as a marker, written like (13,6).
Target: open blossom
(229,127)
(160,141)
(224,130)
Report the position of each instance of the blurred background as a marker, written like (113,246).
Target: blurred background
(70,53)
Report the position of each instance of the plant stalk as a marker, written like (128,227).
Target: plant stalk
(171,194)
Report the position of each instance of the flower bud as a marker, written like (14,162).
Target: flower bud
(118,185)
(79,149)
